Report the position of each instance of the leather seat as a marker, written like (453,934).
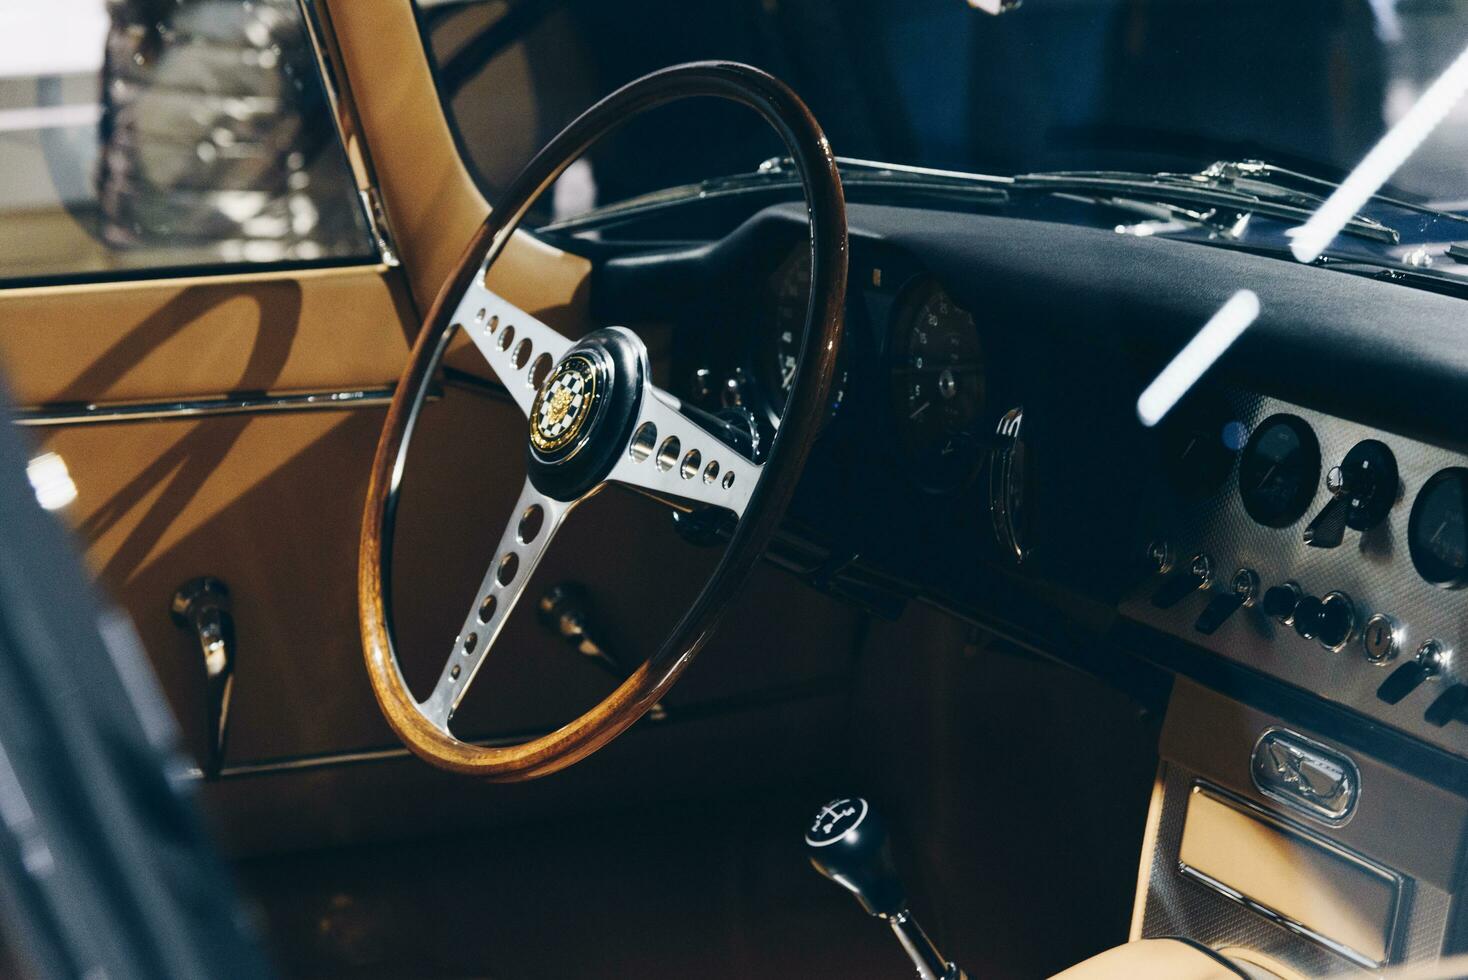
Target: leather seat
(1162,959)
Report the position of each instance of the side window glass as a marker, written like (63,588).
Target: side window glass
(150,137)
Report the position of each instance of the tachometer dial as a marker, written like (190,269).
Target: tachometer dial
(938,383)
(1437,532)
(1279,472)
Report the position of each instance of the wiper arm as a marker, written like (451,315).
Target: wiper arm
(1216,190)
(1259,170)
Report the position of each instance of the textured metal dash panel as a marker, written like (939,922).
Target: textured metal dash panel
(1374,569)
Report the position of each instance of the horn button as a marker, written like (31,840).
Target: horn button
(582,415)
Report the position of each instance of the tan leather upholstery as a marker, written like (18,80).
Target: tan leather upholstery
(1158,959)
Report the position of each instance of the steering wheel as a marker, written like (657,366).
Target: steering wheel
(596,418)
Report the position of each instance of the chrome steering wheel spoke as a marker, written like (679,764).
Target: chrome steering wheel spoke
(514,343)
(673,457)
(532,526)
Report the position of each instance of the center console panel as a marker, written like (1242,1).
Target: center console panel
(1238,856)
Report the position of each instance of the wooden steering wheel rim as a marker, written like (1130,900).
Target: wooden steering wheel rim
(805,412)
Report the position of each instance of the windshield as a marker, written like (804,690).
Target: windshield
(1139,85)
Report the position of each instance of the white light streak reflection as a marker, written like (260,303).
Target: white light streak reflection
(1399,143)
(1217,336)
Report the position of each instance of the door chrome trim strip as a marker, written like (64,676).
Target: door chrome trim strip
(819,688)
(95,412)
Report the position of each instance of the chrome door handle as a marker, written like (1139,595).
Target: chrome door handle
(201,606)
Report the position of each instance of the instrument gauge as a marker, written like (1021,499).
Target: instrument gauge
(1437,532)
(787,298)
(1279,472)
(1201,439)
(938,384)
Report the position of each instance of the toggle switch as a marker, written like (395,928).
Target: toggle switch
(1184,583)
(1431,660)
(1221,607)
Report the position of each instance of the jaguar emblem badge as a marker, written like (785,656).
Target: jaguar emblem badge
(563,404)
(1303,774)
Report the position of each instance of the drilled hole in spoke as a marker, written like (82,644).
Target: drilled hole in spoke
(643,440)
(522,354)
(479,317)
(509,565)
(530,523)
(540,370)
(728,480)
(507,338)
(494,324)
(668,454)
(470,642)
(691,463)
(456,672)
(711,471)
(486,609)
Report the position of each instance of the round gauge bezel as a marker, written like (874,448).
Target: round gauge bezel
(762,358)
(1304,495)
(933,473)
(1433,570)
(1198,458)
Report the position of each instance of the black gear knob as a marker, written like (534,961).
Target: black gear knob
(847,842)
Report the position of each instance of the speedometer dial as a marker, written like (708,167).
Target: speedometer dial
(938,383)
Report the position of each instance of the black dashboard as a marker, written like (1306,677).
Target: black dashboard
(1300,515)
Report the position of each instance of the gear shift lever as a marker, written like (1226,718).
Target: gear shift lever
(847,842)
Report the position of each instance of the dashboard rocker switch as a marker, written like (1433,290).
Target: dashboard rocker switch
(1280,601)
(1221,607)
(1431,660)
(1197,575)
(1449,706)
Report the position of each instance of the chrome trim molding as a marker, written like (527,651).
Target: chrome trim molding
(96,412)
(331,760)
(1306,836)
(723,707)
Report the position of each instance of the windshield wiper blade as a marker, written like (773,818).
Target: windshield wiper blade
(778,174)
(1205,188)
